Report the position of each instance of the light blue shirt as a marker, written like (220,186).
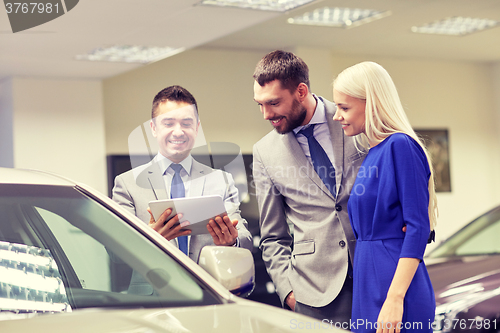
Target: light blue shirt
(168,173)
(321,132)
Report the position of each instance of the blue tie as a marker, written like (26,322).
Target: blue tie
(177,191)
(322,164)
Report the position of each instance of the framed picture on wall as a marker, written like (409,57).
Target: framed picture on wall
(436,142)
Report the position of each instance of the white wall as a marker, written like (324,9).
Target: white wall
(58,126)
(458,96)
(6,110)
(220,80)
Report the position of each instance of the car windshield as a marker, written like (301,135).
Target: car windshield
(61,250)
(480,237)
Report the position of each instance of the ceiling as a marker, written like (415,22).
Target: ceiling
(49,49)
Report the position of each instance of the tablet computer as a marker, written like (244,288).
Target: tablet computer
(197,210)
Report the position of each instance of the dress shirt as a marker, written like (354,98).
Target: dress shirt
(168,174)
(321,132)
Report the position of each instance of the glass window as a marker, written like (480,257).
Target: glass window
(479,237)
(88,257)
(485,241)
(100,260)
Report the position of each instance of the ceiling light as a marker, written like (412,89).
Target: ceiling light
(338,17)
(271,5)
(130,54)
(456,26)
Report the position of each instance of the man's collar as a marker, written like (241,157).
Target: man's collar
(164,163)
(318,117)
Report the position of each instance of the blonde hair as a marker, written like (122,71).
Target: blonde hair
(384,113)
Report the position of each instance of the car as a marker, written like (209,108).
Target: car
(465,273)
(71,259)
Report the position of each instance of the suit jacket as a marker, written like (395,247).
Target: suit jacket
(134,190)
(313,262)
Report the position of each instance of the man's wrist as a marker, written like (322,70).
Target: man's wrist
(290,300)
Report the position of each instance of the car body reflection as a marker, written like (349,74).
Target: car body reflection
(465,273)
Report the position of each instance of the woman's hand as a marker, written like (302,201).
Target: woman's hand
(391,316)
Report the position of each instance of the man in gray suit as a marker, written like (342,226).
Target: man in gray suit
(175,125)
(306,237)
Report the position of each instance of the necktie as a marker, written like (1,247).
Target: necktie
(177,191)
(322,164)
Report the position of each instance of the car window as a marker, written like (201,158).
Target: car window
(97,258)
(485,241)
(479,237)
(87,257)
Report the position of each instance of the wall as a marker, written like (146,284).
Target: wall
(6,110)
(436,94)
(58,126)
(220,80)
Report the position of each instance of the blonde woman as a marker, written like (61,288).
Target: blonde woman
(394,188)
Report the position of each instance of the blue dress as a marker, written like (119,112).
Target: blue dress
(391,190)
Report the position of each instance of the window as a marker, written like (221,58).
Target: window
(479,237)
(97,258)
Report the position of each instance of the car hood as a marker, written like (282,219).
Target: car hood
(472,290)
(463,284)
(446,272)
(244,317)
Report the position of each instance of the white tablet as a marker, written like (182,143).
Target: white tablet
(197,210)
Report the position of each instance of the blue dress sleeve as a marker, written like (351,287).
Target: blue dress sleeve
(412,178)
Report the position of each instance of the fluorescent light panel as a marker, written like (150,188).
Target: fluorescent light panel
(339,17)
(456,26)
(130,54)
(269,5)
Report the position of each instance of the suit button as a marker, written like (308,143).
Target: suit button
(342,243)
(338,208)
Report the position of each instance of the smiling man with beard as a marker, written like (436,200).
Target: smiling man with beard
(303,173)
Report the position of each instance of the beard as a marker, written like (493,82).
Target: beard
(297,115)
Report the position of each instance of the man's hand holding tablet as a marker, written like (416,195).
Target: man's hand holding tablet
(192,216)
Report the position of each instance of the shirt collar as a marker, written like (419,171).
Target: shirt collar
(318,117)
(164,163)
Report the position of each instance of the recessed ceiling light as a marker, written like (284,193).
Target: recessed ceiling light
(338,17)
(456,26)
(130,54)
(271,5)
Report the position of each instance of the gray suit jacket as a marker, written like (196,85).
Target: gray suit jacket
(134,190)
(313,262)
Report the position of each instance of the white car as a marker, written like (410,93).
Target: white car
(72,260)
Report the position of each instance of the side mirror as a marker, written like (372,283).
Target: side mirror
(233,267)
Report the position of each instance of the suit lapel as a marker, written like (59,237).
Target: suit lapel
(197,179)
(155,179)
(292,145)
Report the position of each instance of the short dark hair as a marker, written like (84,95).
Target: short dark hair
(173,94)
(284,66)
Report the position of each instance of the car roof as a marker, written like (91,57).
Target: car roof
(32,177)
